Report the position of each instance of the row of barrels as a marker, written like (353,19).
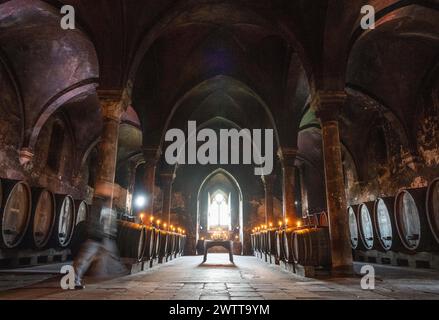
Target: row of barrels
(307,246)
(36,218)
(408,222)
(144,243)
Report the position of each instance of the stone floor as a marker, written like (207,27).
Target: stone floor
(187,279)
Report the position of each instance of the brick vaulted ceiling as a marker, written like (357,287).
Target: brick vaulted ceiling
(258,59)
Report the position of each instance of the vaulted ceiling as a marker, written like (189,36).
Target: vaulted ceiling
(252,62)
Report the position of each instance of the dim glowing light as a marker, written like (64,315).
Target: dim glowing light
(299,224)
(270,224)
(140,201)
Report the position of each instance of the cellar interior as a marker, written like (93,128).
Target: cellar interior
(84,120)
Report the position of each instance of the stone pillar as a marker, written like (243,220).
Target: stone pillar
(269,210)
(106,262)
(327,106)
(112,109)
(151,155)
(131,182)
(167,180)
(288,157)
(304,192)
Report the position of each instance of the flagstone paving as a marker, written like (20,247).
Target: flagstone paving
(248,279)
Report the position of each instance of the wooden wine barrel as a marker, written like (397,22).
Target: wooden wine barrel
(411,220)
(15,212)
(311,247)
(42,218)
(162,245)
(177,245)
(264,238)
(182,244)
(356,243)
(433,208)
(148,253)
(155,243)
(287,245)
(252,242)
(82,211)
(64,221)
(384,224)
(272,243)
(365,225)
(257,241)
(131,238)
(170,244)
(279,246)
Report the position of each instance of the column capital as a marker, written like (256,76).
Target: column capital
(151,155)
(288,155)
(114,103)
(328,104)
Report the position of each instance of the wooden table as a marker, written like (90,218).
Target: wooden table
(227,244)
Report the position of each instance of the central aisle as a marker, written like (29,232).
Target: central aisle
(250,278)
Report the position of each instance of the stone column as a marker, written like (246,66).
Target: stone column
(269,211)
(112,109)
(304,192)
(167,180)
(288,157)
(151,155)
(106,262)
(327,106)
(131,182)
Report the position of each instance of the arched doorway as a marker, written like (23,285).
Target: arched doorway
(220,208)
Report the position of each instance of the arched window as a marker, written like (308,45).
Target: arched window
(55,147)
(219,215)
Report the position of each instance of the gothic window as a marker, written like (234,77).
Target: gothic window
(219,215)
(55,147)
